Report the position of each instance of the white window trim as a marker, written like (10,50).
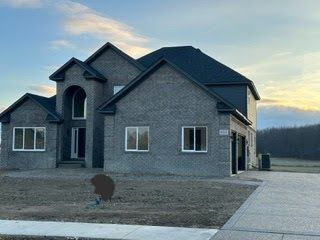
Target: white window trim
(194,139)
(84,110)
(75,143)
(117,86)
(34,141)
(136,150)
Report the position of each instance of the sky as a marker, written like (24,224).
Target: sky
(273,43)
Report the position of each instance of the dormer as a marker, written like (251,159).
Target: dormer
(89,72)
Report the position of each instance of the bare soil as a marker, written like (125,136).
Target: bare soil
(166,201)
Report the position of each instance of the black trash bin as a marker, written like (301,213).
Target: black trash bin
(265,162)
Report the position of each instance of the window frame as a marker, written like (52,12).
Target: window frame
(137,139)
(84,108)
(34,139)
(115,86)
(194,139)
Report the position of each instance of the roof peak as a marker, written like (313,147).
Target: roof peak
(116,49)
(90,72)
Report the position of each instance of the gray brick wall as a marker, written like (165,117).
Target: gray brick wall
(252,108)
(253,148)
(29,114)
(94,91)
(165,102)
(252,115)
(118,71)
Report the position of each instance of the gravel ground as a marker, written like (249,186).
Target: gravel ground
(65,195)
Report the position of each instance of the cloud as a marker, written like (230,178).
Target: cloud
(51,68)
(81,20)
(289,80)
(279,116)
(267,101)
(23,3)
(43,89)
(61,44)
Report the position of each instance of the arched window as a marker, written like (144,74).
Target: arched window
(79,104)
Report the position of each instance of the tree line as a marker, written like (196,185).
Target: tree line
(295,142)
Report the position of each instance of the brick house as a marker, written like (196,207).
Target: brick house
(173,111)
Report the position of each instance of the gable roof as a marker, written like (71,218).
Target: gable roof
(117,50)
(89,73)
(47,104)
(223,105)
(200,66)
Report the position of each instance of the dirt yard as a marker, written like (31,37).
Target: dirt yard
(67,195)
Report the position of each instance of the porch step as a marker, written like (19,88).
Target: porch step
(71,164)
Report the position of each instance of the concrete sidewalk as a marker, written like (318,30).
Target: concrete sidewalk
(286,206)
(103,231)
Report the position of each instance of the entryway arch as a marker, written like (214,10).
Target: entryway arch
(74,125)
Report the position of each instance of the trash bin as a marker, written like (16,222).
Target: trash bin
(265,162)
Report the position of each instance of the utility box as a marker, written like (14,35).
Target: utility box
(265,162)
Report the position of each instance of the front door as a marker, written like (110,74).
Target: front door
(242,153)
(78,143)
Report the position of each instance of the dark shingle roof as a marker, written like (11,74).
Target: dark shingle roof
(90,72)
(47,104)
(200,66)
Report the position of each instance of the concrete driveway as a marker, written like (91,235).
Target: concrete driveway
(286,206)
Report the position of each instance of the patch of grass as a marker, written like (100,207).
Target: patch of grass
(295,165)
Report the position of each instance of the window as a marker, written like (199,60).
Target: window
(137,139)
(29,139)
(79,105)
(117,89)
(194,139)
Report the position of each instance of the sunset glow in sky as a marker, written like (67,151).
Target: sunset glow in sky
(274,43)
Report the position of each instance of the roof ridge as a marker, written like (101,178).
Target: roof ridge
(183,46)
(32,94)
